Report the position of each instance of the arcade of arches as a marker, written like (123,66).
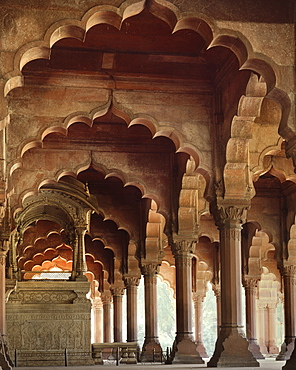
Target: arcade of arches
(144,138)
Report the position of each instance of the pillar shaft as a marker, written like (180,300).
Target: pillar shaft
(251,328)
(117,310)
(184,349)
(107,302)
(131,283)
(81,266)
(98,320)
(272,348)
(229,218)
(198,300)
(2,294)
(151,347)
(289,311)
(217,292)
(5,361)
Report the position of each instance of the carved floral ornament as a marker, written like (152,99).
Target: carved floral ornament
(150,269)
(229,213)
(290,272)
(251,282)
(183,247)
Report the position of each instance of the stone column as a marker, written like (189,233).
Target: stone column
(262,328)
(272,348)
(151,343)
(107,302)
(131,284)
(231,346)
(251,329)
(184,348)
(217,292)
(98,320)
(289,310)
(198,300)
(117,293)
(81,266)
(5,361)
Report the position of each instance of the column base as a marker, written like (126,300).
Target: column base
(201,350)
(286,351)
(185,351)
(5,361)
(255,349)
(151,350)
(232,350)
(272,348)
(291,363)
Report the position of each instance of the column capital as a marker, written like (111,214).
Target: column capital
(250,282)
(150,269)
(131,280)
(231,212)
(217,290)
(198,297)
(289,271)
(117,290)
(106,298)
(183,246)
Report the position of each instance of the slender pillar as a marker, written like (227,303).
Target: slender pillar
(151,347)
(272,348)
(251,329)
(117,311)
(217,291)
(5,361)
(232,346)
(289,310)
(198,300)
(261,330)
(184,348)
(98,320)
(131,283)
(107,302)
(81,266)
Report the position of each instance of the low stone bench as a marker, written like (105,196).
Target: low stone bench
(124,352)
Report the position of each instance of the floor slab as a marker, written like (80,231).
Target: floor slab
(267,364)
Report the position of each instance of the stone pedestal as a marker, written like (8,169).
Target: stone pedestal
(46,317)
(231,346)
(289,309)
(151,350)
(291,363)
(184,348)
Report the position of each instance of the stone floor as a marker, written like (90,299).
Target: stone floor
(267,364)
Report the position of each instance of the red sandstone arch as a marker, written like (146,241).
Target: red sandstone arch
(168,13)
